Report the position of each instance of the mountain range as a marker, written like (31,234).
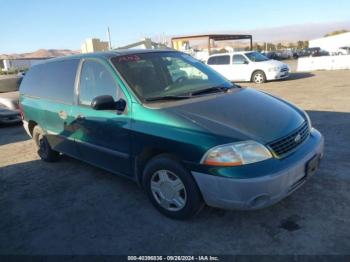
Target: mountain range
(41,53)
(283,34)
(293,33)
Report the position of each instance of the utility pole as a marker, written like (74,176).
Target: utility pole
(109,38)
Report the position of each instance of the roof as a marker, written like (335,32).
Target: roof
(216,37)
(108,54)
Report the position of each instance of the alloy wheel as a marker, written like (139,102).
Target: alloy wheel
(258,78)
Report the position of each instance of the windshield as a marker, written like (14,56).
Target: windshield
(256,57)
(158,74)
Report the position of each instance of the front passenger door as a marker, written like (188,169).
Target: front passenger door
(240,68)
(102,136)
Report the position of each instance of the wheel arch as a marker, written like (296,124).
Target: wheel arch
(31,125)
(147,155)
(257,70)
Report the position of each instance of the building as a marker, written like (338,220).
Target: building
(145,43)
(94,45)
(182,43)
(9,64)
(331,43)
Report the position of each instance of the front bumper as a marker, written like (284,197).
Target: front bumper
(263,191)
(277,75)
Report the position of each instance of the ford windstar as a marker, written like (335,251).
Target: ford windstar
(183,132)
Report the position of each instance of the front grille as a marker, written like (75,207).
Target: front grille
(284,69)
(286,144)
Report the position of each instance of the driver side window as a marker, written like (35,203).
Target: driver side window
(96,80)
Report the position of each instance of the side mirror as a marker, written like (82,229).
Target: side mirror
(120,105)
(108,103)
(245,62)
(103,103)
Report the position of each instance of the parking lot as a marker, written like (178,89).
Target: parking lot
(69,207)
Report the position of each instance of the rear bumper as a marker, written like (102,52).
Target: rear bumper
(259,192)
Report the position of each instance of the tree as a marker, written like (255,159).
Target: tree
(302,44)
(292,45)
(271,46)
(257,47)
(279,46)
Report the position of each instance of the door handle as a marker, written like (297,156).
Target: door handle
(80,117)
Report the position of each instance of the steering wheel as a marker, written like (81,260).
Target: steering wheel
(180,79)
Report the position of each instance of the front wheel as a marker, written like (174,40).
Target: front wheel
(171,188)
(259,77)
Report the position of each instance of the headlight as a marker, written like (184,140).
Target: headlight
(236,154)
(274,69)
(3,106)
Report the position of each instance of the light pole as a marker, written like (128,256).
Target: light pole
(109,38)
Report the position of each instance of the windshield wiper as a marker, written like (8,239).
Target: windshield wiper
(159,98)
(214,89)
(209,90)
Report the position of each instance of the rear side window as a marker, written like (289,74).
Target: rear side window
(53,80)
(96,80)
(212,60)
(219,60)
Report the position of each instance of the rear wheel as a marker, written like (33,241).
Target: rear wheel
(45,151)
(171,188)
(259,77)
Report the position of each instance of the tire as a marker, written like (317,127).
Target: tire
(170,198)
(259,77)
(45,151)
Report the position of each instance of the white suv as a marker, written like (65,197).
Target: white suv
(248,66)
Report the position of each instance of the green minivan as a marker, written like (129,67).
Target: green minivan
(179,129)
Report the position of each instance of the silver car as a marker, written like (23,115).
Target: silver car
(9,108)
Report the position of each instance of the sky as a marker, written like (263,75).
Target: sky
(28,25)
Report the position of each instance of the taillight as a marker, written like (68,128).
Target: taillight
(20,107)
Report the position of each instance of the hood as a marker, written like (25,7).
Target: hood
(272,63)
(242,114)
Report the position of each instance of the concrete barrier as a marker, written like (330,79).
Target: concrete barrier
(323,63)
